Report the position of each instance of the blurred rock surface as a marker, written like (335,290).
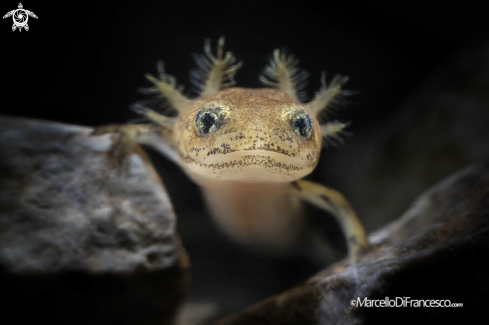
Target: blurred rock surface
(82,242)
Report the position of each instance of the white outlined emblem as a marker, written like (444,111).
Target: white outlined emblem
(20,17)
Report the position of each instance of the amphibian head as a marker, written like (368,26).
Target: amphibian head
(250,135)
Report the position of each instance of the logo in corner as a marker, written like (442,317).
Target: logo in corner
(20,17)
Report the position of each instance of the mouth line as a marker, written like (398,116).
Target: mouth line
(250,165)
(268,148)
(256,152)
(248,158)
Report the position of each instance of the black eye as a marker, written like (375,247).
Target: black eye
(302,125)
(207,120)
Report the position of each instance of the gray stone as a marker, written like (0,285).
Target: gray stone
(82,241)
(438,249)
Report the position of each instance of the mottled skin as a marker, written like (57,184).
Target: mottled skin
(254,141)
(248,150)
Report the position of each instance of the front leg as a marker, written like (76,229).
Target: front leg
(130,134)
(334,202)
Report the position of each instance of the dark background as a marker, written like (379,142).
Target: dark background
(82,63)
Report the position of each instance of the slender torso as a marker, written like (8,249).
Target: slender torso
(264,216)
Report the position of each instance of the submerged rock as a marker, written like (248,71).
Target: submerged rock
(438,250)
(82,242)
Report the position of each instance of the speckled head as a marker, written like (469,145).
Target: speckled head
(236,134)
(248,135)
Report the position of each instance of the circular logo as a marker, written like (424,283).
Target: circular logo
(20,17)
